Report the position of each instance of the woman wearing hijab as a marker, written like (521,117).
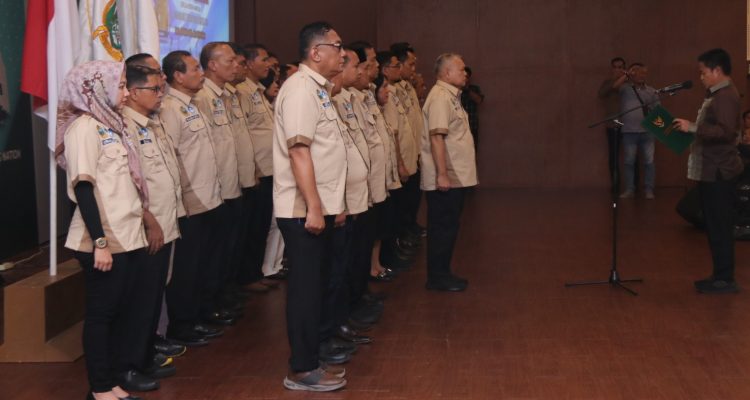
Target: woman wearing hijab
(106,232)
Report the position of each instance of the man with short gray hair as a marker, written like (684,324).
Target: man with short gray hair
(448,167)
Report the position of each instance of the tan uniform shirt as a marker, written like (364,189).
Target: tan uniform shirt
(445,116)
(210,103)
(96,154)
(242,140)
(396,116)
(304,114)
(376,178)
(392,180)
(410,101)
(199,175)
(357,195)
(159,167)
(260,121)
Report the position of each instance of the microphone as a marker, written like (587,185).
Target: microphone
(676,87)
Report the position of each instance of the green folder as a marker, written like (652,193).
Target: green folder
(659,123)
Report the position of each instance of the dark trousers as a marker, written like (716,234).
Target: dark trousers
(443,218)
(109,297)
(223,242)
(191,269)
(368,225)
(614,144)
(717,202)
(142,321)
(412,199)
(240,253)
(336,296)
(260,223)
(389,229)
(311,256)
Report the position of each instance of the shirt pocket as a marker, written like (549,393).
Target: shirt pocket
(152,159)
(220,117)
(114,159)
(237,112)
(196,124)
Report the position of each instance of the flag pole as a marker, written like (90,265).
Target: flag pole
(52,214)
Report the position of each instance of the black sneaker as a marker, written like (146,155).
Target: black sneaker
(716,286)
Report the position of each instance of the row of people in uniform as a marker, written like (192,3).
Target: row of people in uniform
(177,170)
(352,152)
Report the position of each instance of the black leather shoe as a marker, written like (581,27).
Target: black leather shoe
(458,279)
(367,313)
(338,344)
(159,371)
(345,332)
(381,277)
(131,397)
(137,382)
(360,326)
(279,276)
(445,285)
(169,349)
(187,338)
(219,318)
(207,332)
(331,356)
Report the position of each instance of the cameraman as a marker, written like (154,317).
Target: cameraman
(633,93)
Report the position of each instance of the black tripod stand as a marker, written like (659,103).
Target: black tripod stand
(614,278)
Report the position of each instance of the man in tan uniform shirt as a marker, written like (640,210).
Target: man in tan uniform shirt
(219,64)
(448,167)
(201,196)
(407,96)
(260,122)
(399,249)
(240,114)
(159,168)
(350,233)
(309,175)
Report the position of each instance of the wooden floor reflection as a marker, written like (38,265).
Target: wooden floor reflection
(517,333)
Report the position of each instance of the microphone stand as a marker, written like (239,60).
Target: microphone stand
(614,279)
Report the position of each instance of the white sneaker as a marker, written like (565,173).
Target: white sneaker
(628,194)
(650,194)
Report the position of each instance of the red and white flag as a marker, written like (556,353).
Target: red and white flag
(49,51)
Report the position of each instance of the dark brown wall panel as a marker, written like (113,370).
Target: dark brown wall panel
(540,63)
(277,23)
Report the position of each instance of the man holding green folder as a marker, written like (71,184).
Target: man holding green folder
(715,163)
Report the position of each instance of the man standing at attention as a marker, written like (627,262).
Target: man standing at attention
(715,164)
(309,179)
(448,167)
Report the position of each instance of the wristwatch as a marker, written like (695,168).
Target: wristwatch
(101,242)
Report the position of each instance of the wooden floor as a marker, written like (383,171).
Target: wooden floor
(517,333)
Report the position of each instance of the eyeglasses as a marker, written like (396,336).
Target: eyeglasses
(338,46)
(155,89)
